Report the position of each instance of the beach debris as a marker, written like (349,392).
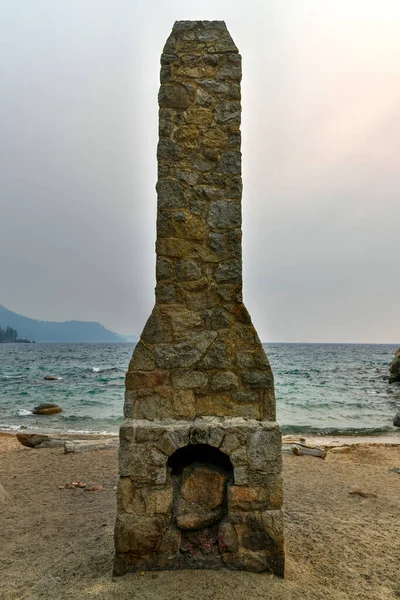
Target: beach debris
(358,492)
(299,447)
(396,420)
(88,445)
(395,470)
(303,450)
(73,485)
(95,488)
(51,378)
(47,408)
(36,440)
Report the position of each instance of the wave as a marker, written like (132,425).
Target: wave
(322,431)
(13,376)
(23,412)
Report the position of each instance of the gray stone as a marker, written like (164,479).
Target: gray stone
(189,379)
(166,294)
(188,176)
(229,272)
(226,380)
(253,360)
(184,354)
(227,112)
(187,270)
(220,318)
(264,452)
(225,214)
(250,396)
(217,242)
(164,269)
(396,420)
(231,162)
(258,379)
(170,194)
(143,357)
(167,148)
(163,224)
(174,96)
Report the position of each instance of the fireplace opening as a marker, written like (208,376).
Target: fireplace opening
(199,453)
(200,476)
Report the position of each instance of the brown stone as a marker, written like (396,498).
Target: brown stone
(199,497)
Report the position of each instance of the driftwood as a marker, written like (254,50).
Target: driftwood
(300,448)
(87,445)
(303,450)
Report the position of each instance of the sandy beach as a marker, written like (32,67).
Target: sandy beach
(58,543)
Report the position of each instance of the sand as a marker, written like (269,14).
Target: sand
(58,543)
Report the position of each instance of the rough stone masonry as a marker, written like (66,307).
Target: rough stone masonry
(200,452)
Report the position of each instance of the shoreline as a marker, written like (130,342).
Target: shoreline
(327,441)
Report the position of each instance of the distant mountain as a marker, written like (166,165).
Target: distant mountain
(53,331)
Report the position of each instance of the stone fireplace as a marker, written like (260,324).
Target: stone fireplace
(200,452)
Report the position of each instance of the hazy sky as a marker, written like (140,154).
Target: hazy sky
(321,161)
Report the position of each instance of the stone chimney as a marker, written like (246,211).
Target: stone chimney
(200,452)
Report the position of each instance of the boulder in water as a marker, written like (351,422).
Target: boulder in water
(395,368)
(51,378)
(47,408)
(396,420)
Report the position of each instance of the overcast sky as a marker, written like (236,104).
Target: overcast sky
(321,161)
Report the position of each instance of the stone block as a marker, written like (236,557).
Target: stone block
(188,270)
(143,358)
(253,359)
(184,354)
(231,162)
(139,535)
(224,381)
(239,457)
(134,462)
(184,404)
(241,475)
(229,271)
(170,194)
(174,96)
(258,379)
(157,329)
(217,357)
(129,497)
(189,379)
(227,112)
(230,444)
(216,405)
(227,538)
(264,452)
(164,269)
(217,242)
(244,498)
(225,214)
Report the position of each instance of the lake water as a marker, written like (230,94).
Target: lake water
(320,388)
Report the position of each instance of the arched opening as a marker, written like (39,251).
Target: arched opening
(200,453)
(200,475)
